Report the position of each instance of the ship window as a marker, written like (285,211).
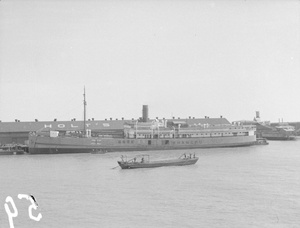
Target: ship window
(119,141)
(123,141)
(131,141)
(166,142)
(149,142)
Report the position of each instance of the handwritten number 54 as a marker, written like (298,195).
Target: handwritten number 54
(15,213)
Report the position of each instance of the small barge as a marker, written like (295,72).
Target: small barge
(261,141)
(143,161)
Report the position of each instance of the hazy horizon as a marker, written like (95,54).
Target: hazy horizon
(181,58)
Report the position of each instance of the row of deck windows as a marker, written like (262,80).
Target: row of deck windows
(187,142)
(191,135)
(125,141)
(165,142)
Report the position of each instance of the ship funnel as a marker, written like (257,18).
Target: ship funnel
(257,115)
(145,113)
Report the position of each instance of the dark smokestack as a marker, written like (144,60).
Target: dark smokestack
(257,115)
(145,113)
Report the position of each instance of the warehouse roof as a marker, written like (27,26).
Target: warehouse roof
(92,124)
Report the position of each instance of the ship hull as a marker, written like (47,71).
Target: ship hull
(48,145)
(13,152)
(278,136)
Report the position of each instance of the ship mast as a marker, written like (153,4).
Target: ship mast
(84,113)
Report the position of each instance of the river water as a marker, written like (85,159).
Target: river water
(257,186)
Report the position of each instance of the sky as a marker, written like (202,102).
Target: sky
(181,58)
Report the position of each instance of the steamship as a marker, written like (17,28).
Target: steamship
(143,135)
